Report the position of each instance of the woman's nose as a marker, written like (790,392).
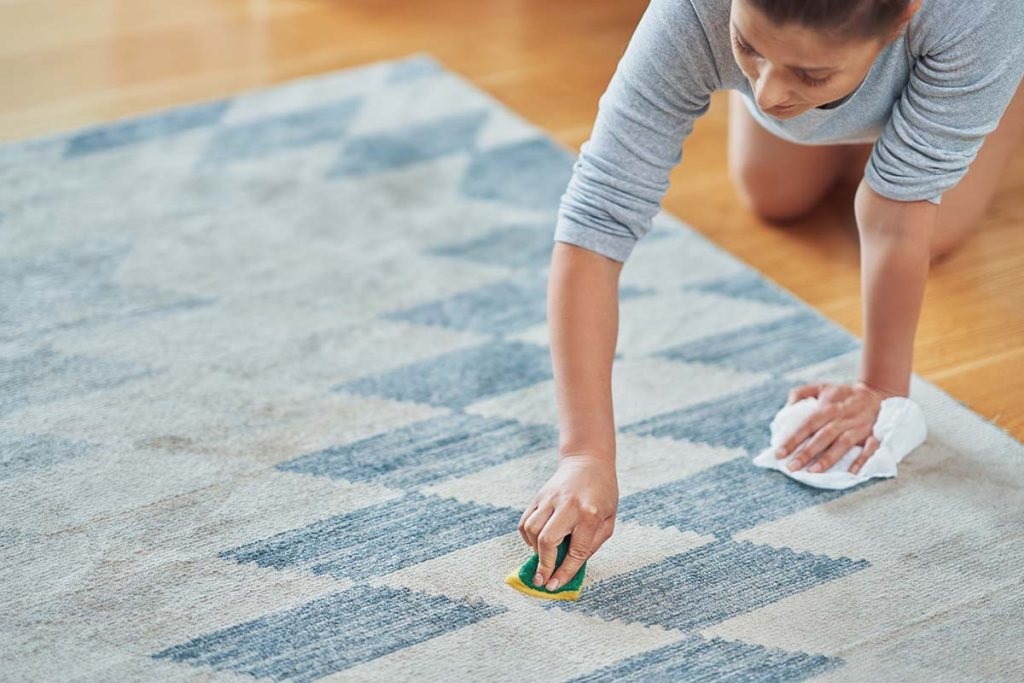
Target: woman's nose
(769,91)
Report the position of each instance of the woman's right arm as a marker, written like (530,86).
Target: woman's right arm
(582,496)
(661,85)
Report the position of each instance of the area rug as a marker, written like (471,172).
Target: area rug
(275,389)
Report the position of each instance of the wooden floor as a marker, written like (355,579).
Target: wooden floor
(66,63)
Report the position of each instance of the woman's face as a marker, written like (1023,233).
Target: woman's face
(792,68)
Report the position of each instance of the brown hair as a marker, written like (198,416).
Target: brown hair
(847,19)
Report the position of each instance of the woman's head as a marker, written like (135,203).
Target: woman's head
(801,54)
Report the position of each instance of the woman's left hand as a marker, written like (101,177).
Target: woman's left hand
(845,418)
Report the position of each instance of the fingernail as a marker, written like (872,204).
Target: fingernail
(552,584)
(538,579)
(815,468)
(780,452)
(793,465)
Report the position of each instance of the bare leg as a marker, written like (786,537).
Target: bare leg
(964,205)
(778,179)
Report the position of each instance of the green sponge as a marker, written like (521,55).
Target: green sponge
(522,580)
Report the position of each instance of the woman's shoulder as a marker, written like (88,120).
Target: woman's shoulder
(711,16)
(703,26)
(940,23)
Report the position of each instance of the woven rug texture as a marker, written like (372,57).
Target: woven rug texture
(275,390)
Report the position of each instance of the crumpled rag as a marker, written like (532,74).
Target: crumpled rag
(899,428)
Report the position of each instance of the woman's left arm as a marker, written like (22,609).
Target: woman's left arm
(895,252)
(970,62)
(895,248)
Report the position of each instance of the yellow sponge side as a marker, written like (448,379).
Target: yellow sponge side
(517,583)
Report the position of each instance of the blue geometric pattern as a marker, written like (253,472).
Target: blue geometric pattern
(458,378)
(783,345)
(43,375)
(329,634)
(711,583)
(427,451)
(253,424)
(724,499)
(375,153)
(697,659)
(381,538)
(498,308)
(141,129)
(739,420)
(19,454)
(261,138)
(746,285)
(74,286)
(532,173)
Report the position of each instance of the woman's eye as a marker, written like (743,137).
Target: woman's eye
(810,80)
(744,48)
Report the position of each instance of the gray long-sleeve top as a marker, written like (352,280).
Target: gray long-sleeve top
(929,100)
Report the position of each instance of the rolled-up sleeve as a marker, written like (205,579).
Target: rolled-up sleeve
(662,83)
(968,71)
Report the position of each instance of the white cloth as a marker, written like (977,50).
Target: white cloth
(900,428)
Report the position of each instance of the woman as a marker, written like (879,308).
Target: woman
(928,91)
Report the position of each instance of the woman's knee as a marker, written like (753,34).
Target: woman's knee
(770,194)
(778,179)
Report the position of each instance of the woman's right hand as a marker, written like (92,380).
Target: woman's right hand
(581,499)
